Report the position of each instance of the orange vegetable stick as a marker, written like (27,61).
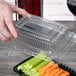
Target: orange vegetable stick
(63,74)
(52,73)
(67,73)
(51,69)
(60,72)
(45,68)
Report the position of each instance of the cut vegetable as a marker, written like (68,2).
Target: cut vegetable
(27,66)
(53,72)
(67,73)
(40,65)
(52,68)
(36,69)
(33,62)
(59,73)
(45,68)
(43,56)
(63,74)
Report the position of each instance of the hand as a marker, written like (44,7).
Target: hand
(7,28)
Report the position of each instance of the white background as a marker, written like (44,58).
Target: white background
(56,10)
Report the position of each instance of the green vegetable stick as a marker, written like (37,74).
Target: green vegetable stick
(30,66)
(35,70)
(40,65)
(35,74)
(30,63)
(44,56)
(34,63)
(26,67)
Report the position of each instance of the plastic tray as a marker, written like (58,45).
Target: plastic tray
(20,72)
(64,67)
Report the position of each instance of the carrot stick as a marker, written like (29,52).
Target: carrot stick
(56,66)
(67,73)
(63,74)
(60,72)
(53,67)
(52,73)
(45,68)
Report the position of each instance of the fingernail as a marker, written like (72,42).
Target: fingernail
(29,15)
(15,35)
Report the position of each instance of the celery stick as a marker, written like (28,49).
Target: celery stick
(35,74)
(43,56)
(35,70)
(27,66)
(31,60)
(40,65)
(34,63)
(19,67)
(30,63)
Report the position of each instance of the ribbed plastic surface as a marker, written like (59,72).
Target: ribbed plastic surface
(37,34)
(41,34)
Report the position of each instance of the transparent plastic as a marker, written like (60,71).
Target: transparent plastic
(69,56)
(41,34)
(37,34)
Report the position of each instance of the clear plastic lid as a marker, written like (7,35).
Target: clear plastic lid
(40,34)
